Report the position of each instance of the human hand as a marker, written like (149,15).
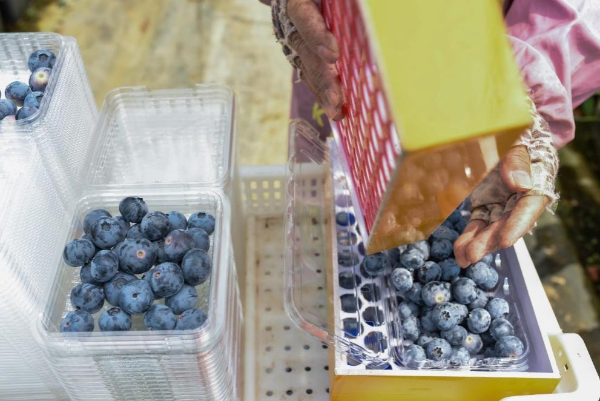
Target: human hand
(311,48)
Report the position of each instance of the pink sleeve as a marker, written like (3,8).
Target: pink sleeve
(557,46)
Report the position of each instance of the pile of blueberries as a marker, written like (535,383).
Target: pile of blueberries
(132,266)
(448,314)
(28,97)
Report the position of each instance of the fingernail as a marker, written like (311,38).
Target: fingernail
(522,179)
(331,102)
(327,54)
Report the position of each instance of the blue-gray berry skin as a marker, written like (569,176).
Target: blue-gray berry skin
(485,276)
(177,220)
(346,238)
(464,291)
(347,258)
(17,92)
(450,270)
(509,347)
(402,279)
(166,279)
(501,328)
(430,271)
(375,264)
(160,317)
(77,321)
(202,220)
(185,299)
(38,81)
(455,336)
(394,255)
(7,108)
(196,266)
(79,252)
(85,275)
(91,217)
(411,328)
(460,356)
(112,289)
(104,266)
(191,319)
(34,99)
(135,232)
(421,246)
(412,259)
(133,209)
(408,308)
(455,217)
(136,256)
(348,280)
(177,244)
(413,354)
(106,232)
(490,352)
(155,226)
(136,297)
(443,232)
(124,225)
(444,316)
(462,311)
(201,238)
(461,225)
(488,259)
(161,256)
(427,322)
(115,319)
(441,249)
(345,219)
(41,58)
(473,343)
(435,292)
(87,297)
(26,112)
(414,293)
(438,350)
(426,337)
(498,308)
(481,300)
(478,320)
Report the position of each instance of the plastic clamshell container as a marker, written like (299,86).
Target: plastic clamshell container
(311,264)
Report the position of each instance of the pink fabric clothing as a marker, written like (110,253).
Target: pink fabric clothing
(557,46)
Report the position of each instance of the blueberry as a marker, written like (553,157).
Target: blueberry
(498,307)
(481,300)
(136,256)
(191,319)
(34,99)
(426,337)
(462,311)
(124,225)
(349,303)
(345,219)
(461,225)
(78,252)
(166,279)
(17,92)
(91,217)
(85,274)
(473,343)
(438,350)
(347,280)
(136,297)
(430,271)
(160,317)
(104,266)
(413,354)
(177,220)
(394,255)
(133,209)
(488,259)
(411,327)
(444,316)
(7,108)
(455,217)
(87,297)
(490,352)
(402,279)
(114,319)
(488,340)
(450,270)
(347,258)
(370,292)
(464,291)
(443,232)
(375,264)
(421,246)
(501,328)
(509,347)
(412,259)
(486,277)
(202,220)
(161,256)
(38,81)
(41,58)
(76,321)
(448,224)
(479,320)
(112,289)
(414,293)
(26,112)
(427,321)
(434,293)
(352,327)
(196,266)
(460,356)
(155,226)
(177,244)
(106,232)
(185,299)
(441,249)
(408,308)
(346,238)
(455,336)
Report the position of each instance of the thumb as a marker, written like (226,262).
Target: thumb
(516,169)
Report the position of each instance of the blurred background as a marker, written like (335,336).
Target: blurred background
(176,43)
